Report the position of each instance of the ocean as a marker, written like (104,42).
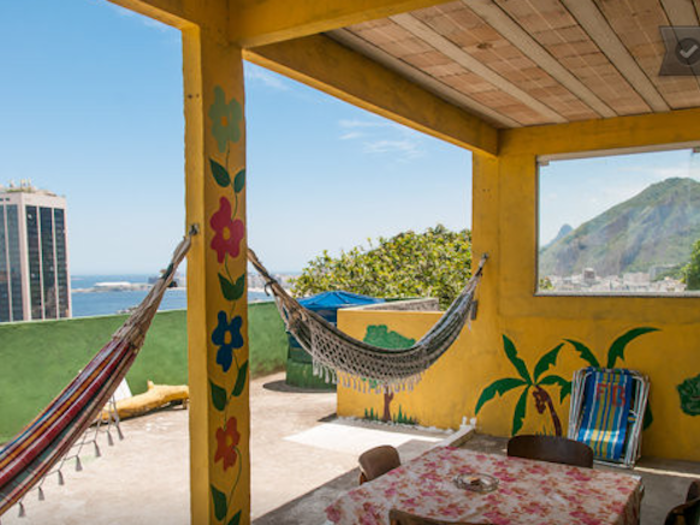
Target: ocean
(90,303)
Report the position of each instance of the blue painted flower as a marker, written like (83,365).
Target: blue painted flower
(227,336)
(225,119)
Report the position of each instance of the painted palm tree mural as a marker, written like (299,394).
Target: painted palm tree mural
(537,382)
(615,352)
(534,384)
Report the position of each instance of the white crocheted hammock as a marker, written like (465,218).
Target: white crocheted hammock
(334,351)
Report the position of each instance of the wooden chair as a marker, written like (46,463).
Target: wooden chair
(687,513)
(378,461)
(399,517)
(552,449)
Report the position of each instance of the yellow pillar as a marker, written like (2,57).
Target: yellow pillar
(217,300)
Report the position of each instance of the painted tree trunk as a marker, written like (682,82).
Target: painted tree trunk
(546,399)
(388,397)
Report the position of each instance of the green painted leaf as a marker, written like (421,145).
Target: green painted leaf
(520,408)
(239,181)
(239,288)
(231,291)
(689,392)
(547,360)
(220,504)
(220,174)
(585,353)
(240,380)
(236,518)
(565,386)
(499,387)
(218,396)
(617,349)
(518,363)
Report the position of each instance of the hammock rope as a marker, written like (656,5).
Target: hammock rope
(31,455)
(333,351)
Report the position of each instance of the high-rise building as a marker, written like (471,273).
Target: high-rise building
(34,272)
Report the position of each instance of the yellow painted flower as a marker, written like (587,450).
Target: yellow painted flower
(225,119)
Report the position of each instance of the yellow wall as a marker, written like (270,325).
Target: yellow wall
(504,224)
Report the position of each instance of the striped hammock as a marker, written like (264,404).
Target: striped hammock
(333,351)
(32,454)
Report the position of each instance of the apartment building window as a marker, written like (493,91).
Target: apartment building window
(13,247)
(34,253)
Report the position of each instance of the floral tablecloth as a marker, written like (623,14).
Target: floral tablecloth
(529,492)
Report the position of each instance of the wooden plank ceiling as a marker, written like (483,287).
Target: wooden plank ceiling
(530,62)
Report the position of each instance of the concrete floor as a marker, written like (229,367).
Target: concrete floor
(302,459)
(297,446)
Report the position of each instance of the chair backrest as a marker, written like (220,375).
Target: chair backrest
(378,461)
(551,448)
(689,512)
(400,517)
(693,490)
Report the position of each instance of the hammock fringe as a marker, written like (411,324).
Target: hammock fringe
(334,352)
(45,442)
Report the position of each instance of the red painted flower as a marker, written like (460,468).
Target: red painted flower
(227,439)
(229,232)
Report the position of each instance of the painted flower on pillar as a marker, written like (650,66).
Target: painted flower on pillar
(227,336)
(227,439)
(228,233)
(225,119)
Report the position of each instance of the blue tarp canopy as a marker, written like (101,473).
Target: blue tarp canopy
(328,300)
(326,304)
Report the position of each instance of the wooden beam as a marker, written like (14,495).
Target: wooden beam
(594,23)
(456,53)
(261,22)
(510,29)
(322,63)
(442,90)
(681,13)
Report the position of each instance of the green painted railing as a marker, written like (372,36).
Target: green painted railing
(38,359)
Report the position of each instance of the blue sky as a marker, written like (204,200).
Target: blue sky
(91,108)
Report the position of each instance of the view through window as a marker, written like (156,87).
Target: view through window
(620,224)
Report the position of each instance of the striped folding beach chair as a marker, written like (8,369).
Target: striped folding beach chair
(607,409)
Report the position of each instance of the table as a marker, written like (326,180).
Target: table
(529,493)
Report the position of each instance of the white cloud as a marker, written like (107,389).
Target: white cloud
(379,138)
(352,135)
(350,124)
(408,148)
(128,13)
(256,74)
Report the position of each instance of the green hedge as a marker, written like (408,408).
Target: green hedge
(40,358)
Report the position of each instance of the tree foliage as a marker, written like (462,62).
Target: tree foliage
(436,263)
(692,270)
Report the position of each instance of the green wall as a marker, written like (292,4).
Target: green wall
(38,359)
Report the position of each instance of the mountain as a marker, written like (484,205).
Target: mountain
(657,227)
(565,230)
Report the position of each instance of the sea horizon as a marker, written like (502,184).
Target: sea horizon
(86,303)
